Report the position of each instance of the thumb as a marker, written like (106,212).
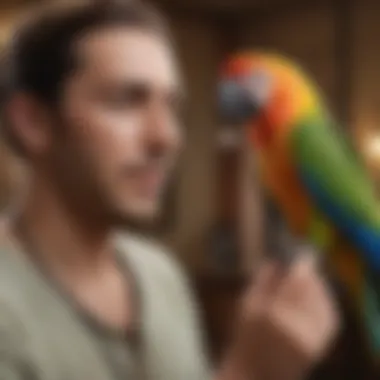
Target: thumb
(268,278)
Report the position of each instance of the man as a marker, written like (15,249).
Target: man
(92,108)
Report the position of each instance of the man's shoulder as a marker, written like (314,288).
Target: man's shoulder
(8,315)
(13,336)
(150,253)
(18,296)
(149,257)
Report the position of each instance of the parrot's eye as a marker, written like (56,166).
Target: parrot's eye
(241,98)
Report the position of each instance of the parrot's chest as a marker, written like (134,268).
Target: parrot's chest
(281,179)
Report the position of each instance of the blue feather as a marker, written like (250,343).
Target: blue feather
(366,240)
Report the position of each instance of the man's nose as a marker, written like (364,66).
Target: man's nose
(163,131)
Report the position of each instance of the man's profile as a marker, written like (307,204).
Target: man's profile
(91,105)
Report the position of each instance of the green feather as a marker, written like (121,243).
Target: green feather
(322,152)
(319,231)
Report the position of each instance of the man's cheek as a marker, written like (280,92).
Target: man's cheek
(118,134)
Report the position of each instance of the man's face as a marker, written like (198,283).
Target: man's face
(120,135)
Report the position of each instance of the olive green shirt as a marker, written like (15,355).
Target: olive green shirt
(43,336)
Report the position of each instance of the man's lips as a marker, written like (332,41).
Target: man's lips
(149,182)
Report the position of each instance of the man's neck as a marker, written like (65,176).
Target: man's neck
(63,240)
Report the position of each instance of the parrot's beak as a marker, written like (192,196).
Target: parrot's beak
(235,104)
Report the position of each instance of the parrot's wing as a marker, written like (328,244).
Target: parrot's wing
(337,183)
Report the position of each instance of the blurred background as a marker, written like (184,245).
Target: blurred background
(216,222)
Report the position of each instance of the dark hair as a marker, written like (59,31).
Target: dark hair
(40,55)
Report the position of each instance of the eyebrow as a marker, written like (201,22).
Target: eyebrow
(134,84)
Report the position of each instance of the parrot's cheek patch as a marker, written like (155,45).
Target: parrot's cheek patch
(235,105)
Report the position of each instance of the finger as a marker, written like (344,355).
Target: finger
(268,278)
(310,251)
(261,290)
(297,253)
(306,263)
(298,282)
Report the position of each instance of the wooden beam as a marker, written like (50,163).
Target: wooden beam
(236,11)
(344,20)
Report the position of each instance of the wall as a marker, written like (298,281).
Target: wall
(10,168)
(366,78)
(305,33)
(198,46)
(366,64)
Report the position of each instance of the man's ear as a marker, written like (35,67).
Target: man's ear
(30,124)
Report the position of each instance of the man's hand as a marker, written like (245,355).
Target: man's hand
(286,324)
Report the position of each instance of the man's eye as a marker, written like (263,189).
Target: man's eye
(130,98)
(136,96)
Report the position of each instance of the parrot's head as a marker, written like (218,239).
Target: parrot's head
(266,93)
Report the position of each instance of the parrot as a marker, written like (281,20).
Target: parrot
(309,168)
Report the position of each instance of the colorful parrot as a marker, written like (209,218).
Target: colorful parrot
(309,169)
